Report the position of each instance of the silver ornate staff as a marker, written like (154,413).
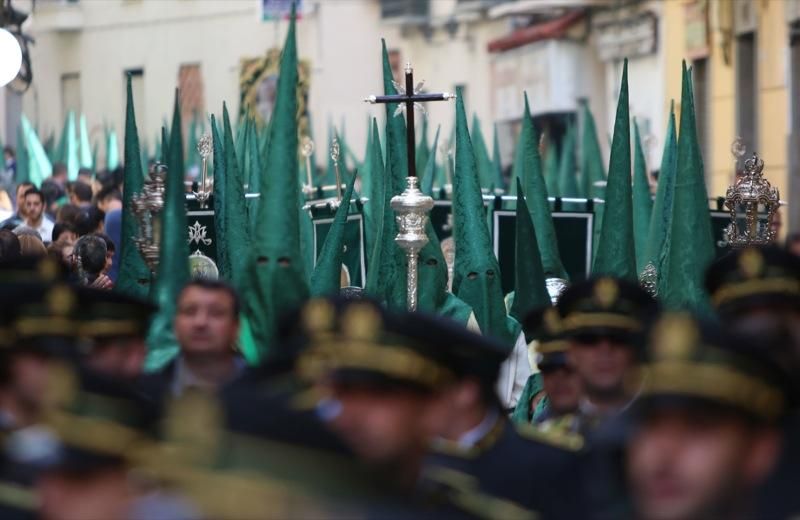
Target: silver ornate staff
(147,207)
(204,149)
(411,206)
(307,149)
(335,158)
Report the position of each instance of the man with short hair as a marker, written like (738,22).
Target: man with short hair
(80,194)
(705,432)
(35,217)
(206,328)
(109,199)
(19,216)
(10,248)
(60,174)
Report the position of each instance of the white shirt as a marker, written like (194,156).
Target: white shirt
(45,229)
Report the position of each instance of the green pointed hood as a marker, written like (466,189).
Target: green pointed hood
(134,275)
(661,221)
(567,176)
(220,207)
(276,278)
(60,153)
(422,147)
(522,412)
(642,201)
(527,166)
(476,277)
(691,239)
(429,173)
(373,188)
(327,276)
(551,167)
(39,166)
(615,251)
(235,213)
(365,165)
(397,170)
(530,291)
(254,167)
(70,158)
(112,151)
(164,159)
(85,147)
(497,162)
(592,168)
(173,266)
(485,167)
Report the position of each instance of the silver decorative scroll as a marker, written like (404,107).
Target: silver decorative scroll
(412,208)
(147,207)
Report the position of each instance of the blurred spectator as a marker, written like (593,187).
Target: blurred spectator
(6,207)
(109,199)
(89,259)
(60,174)
(61,251)
(68,213)
(31,245)
(80,194)
(64,231)
(53,197)
(111,248)
(10,247)
(113,227)
(9,169)
(85,175)
(34,214)
(793,243)
(19,217)
(90,220)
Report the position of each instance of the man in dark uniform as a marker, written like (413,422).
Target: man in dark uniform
(415,394)
(705,428)
(756,292)
(602,321)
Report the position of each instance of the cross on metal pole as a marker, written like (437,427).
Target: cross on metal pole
(412,206)
(410,97)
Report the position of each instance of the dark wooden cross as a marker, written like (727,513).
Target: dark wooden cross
(409,97)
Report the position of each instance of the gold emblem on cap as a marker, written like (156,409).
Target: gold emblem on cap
(674,338)
(318,316)
(60,300)
(361,322)
(47,269)
(606,292)
(552,321)
(751,263)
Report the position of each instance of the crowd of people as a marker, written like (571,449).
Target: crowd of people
(77,223)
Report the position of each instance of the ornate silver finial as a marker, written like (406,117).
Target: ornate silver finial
(411,208)
(307,149)
(555,287)
(204,150)
(648,279)
(147,207)
(752,202)
(335,158)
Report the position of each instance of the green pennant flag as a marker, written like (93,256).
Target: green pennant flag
(551,167)
(173,266)
(497,163)
(84,147)
(23,157)
(615,251)
(567,175)
(112,151)
(39,166)
(476,278)
(220,207)
(276,275)
(661,221)
(486,173)
(134,275)
(327,277)
(71,159)
(691,238)
(527,166)
(530,291)
(429,174)
(592,168)
(397,170)
(642,201)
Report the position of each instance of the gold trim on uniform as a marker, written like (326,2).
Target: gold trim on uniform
(736,290)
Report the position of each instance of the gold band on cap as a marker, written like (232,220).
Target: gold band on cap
(389,360)
(549,347)
(111,328)
(45,326)
(580,320)
(736,290)
(714,382)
